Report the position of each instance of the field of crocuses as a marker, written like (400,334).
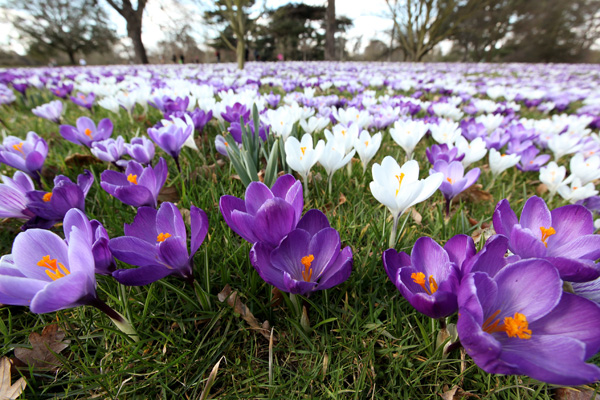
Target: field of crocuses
(300,230)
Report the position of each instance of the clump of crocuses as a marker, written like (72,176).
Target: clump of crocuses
(85,131)
(26,155)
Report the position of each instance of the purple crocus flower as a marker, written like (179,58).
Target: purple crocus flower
(175,105)
(200,118)
(13,196)
(427,278)
(266,215)
(46,273)
(85,101)
(156,241)
(530,161)
(26,155)
(443,152)
(138,186)
(51,207)
(85,132)
(51,111)
(455,179)
(521,322)
(171,139)
(95,236)
(272,99)
(563,236)
(109,150)
(233,114)
(306,260)
(141,150)
(63,90)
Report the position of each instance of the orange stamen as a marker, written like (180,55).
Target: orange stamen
(516,326)
(19,147)
(53,268)
(419,279)
(162,237)
(88,132)
(449,180)
(400,178)
(47,197)
(132,178)
(546,233)
(308,271)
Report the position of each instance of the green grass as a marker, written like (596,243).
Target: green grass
(366,343)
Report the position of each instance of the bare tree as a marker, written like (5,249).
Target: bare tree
(330,26)
(72,27)
(133,17)
(421,24)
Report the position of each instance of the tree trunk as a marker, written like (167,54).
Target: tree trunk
(134,31)
(330,31)
(72,58)
(240,52)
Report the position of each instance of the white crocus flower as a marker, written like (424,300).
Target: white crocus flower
(344,135)
(490,121)
(109,103)
(564,144)
(366,146)
(281,121)
(576,191)
(473,151)
(408,133)
(301,156)
(445,132)
(553,177)
(447,110)
(587,170)
(501,162)
(127,100)
(399,188)
(314,124)
(333,158)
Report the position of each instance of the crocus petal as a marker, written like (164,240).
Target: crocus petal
(257,194)
(260,257)
(325,247)
(173,252)
(585,247)
(313,221)
(67,292)
(575,317)
(18,290)
(141,276)
(143,225)
(243,224)
(288,255)
(525,244)
(460,248)
(134,251)
(75,218)
(198,227)
(575,270)
(504,218)
(274,220)
(535,214)
(134,195)
(570,222)
(297,287)
(339,271)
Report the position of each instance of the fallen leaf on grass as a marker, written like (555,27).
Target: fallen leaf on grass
(8,390)
(42,355)
(416,216)
(234,302)
(483,232)
(575,394)
(541,189)
(475,194)
(168,193)
(81,160)
(342,199)
(456,393)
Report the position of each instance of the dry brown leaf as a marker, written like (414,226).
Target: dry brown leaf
(234,302)
(9,390)
(81,160)
(449,394)
(475,194)
(168,193)
(484,232)
(185,214)
(416,216)
(44,347)
(575,394)
(456,393)
(541,189)
(342,199)
(277,297)
(211,379)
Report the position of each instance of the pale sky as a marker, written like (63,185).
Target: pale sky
(368,18)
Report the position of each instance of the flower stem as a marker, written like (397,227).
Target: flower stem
(448,204)
(305,182)
(118,319)
(392,242)
(329,179)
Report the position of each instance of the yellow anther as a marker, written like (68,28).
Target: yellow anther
(546,233)
(367,143)
(132,178)
(449,180)
(308,271)
(47,197)
(162,237)
(517,326)
(54,269)
(88,132)
(400,178)
(419,279)
(303,149)
(19,147)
